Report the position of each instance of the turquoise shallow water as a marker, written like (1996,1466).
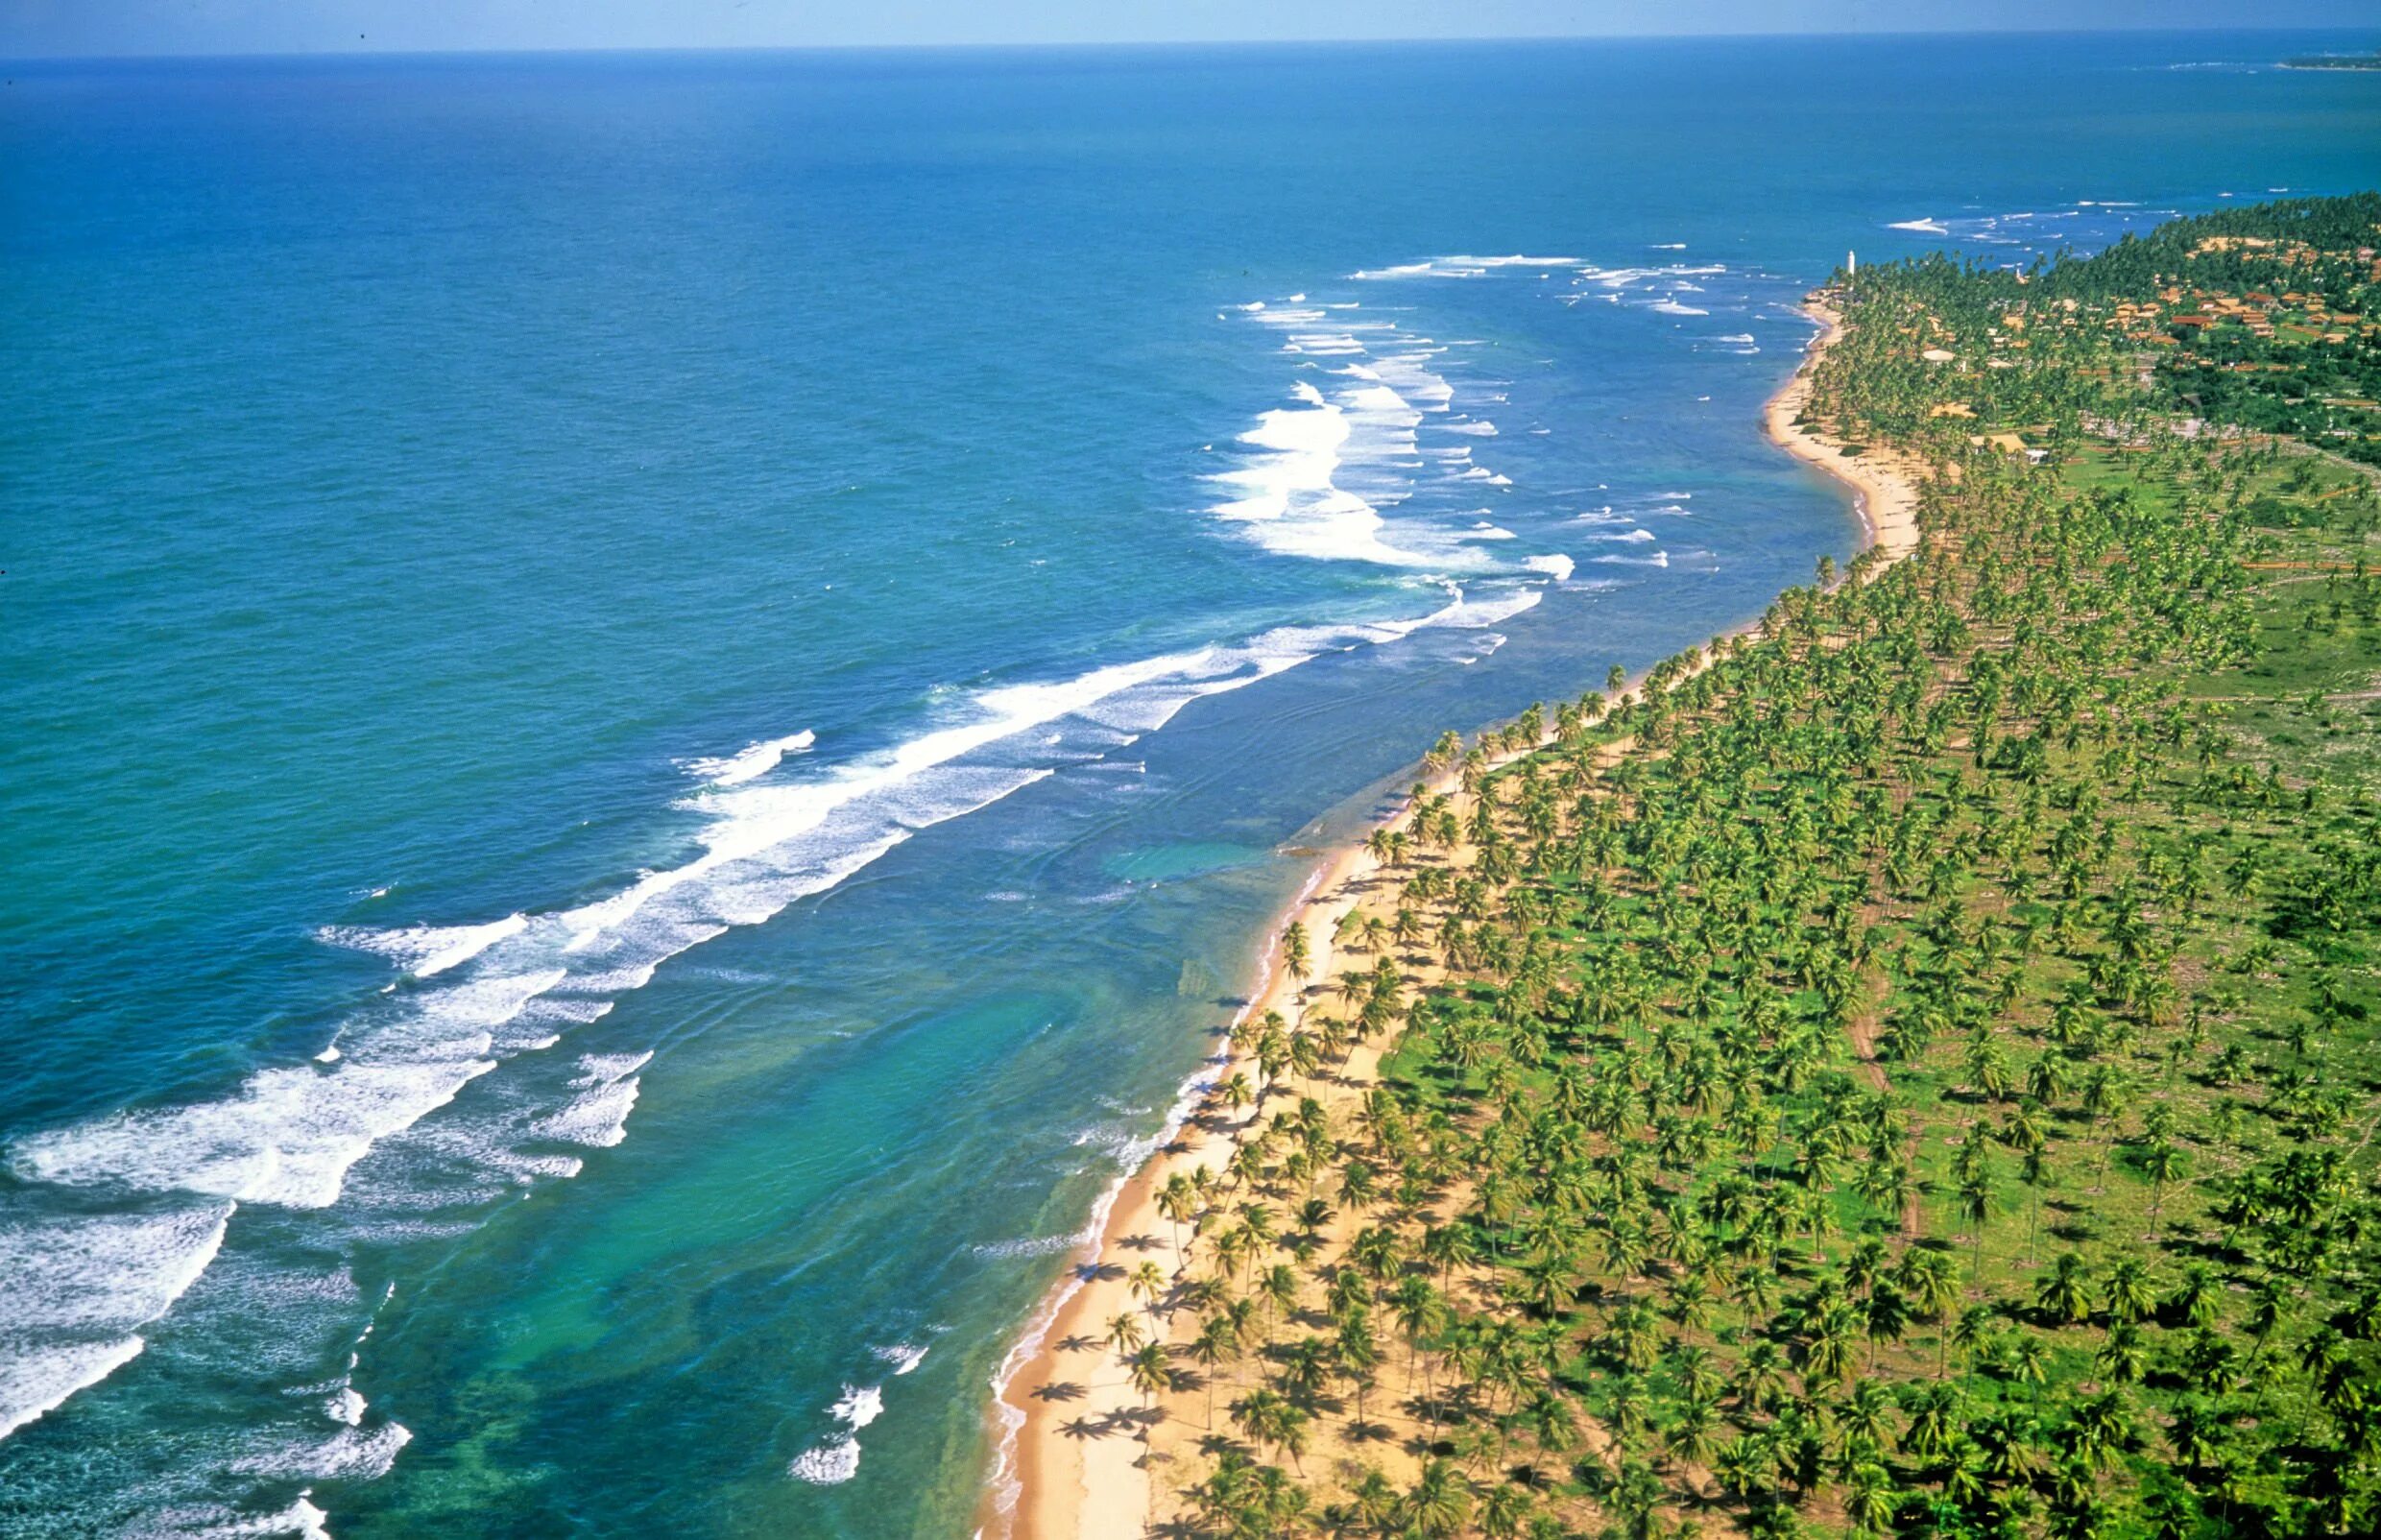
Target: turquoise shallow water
(656,701)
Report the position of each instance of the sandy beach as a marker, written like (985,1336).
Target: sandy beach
(1885,485)
(1080,1455)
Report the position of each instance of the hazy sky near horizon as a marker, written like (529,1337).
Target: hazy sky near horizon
(39,28)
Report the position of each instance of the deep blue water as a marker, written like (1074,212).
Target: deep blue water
(655,702)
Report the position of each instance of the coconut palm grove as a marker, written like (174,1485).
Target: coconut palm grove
(1910,1069)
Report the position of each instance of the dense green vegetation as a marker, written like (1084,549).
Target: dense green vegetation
(1925,1081)
(2259,318)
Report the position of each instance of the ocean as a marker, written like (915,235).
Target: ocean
(656,703)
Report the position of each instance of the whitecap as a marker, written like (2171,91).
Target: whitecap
(350,1453)
(827,1464)
(290,1135)
(607,1084)
(301,1519)
(1030,1246)
(754,761)
(78,1289)
(38,1381)
(858,1406)
(425,950)
(904,1357)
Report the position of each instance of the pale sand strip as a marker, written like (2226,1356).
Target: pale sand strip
(1883,483)
(1073,1463)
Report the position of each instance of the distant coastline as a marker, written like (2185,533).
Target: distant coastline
(2343,61)
(1075,1444)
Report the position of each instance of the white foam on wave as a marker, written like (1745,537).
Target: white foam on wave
(904,1357)
(1470,615)
(1555,565)
(1324,343)
(1409,374)
(1034,1245)
(829,1465)
(1924,227)
(35,1382)
(858,1406)
(753,763)
(77,1291)
(1656,559)
(1672,308)
(1477,429)
(301,1519)
(351,1453)
(1289,499)
(425,950)
(1461,267)
(607,1084)
(837,1460)
(290,1135)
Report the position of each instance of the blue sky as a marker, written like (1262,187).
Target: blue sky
(33,28)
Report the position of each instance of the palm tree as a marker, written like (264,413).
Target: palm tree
(1295,956)
(1269,1420)
(2122,1358)
(1689,1438)
(1503,1511)
(2033,1171)
(2131,1293)
(2065,1294)
(1178,1201)
(1357,1355)
(1871,1499)
(2163,1162)
(2030,1363)
(1438,1503)
(1150,1373)
(1278,1287)
(1827,1355)
(1215,1345)
(1421,1314)
(1976,1198)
